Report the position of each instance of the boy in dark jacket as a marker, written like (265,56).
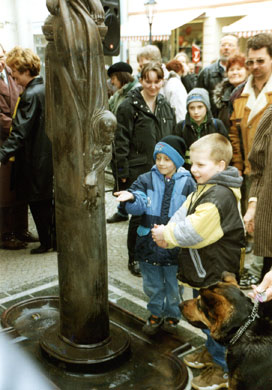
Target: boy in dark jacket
(156,195)
(210,231)
(198,121)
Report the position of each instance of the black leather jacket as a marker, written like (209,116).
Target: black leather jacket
(208,78)
(28,142)
(138,131)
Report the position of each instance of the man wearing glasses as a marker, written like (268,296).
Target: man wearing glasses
(252,99)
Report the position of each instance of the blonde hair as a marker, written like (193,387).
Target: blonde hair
(182,54)
(150,53)
(24,60)
(219,146)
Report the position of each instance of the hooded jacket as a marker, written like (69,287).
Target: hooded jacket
(210,230)
(156,199)
(190,132)
(138,131)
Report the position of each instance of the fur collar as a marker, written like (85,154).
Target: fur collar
(254,104)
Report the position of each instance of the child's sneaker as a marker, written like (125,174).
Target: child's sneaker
(170,324)
(152,325)
(199,359)
(212,378)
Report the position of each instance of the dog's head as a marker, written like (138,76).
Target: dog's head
(222,308)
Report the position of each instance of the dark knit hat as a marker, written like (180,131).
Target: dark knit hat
(119,67)
(199,95)
(174,147)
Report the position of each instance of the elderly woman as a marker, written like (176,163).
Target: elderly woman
(188,79)
(174,90)
(236,74)
(29,144)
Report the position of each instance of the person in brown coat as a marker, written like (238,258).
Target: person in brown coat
(13,213)
(258,218)
(248,107)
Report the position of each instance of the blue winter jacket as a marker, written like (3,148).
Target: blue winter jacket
(157,198)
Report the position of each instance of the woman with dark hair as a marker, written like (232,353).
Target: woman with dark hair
(174,91)
(236,74)
(144,118)
(29,144)
(121,77)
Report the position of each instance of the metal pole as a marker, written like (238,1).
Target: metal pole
(150,33)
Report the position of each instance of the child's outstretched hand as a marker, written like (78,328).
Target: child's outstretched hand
(123,196)
(157,235)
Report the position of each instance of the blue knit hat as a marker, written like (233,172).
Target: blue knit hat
(174,147)
(199,95)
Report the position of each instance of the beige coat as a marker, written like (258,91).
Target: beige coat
(247,113)
(260,159)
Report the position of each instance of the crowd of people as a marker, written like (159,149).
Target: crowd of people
(194,212)
(191,162)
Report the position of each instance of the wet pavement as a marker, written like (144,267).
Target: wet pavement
(24,276)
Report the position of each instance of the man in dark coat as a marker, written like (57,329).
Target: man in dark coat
(214,73)
(13,213)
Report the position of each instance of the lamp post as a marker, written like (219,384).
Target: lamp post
(150,10)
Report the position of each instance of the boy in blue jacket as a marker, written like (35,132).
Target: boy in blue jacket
(209,229)
(157,195)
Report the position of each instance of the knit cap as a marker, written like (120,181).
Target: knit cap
(174,147)
(119,67)
(199,95)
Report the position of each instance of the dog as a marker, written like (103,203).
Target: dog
(243,327)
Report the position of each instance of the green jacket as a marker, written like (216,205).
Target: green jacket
(119,96)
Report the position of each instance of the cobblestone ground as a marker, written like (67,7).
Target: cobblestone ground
(23,276)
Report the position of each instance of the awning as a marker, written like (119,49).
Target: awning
(137,28)
(251,24)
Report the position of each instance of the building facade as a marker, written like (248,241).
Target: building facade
(177,25)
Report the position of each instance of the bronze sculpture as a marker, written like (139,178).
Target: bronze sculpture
(81,130)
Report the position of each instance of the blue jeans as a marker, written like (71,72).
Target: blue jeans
(217,350)
(161,286)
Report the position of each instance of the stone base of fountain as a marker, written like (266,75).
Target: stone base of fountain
(128,360)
